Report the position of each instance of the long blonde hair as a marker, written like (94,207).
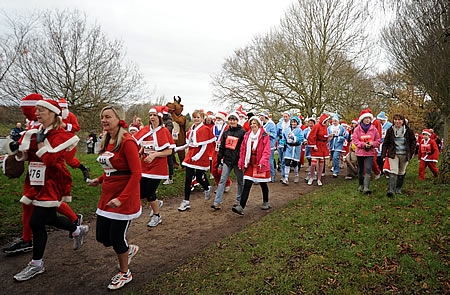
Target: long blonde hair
(107,137)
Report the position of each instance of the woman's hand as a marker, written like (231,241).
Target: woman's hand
(94,182)
(315,149)
(114,203)
(150,158)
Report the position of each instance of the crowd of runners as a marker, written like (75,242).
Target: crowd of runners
(136,158)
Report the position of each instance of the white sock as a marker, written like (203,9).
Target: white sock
(38,262)
(296,170)
(76,232)
(287,169)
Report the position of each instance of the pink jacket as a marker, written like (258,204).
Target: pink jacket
(262,151)
(360,144)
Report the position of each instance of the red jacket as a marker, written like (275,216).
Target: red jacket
(318,137)
(71,123)
(199,140)
(263,151)
(47,177)
(428,151)
(126,188)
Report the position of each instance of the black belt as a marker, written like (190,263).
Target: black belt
(321,140)
(116,173)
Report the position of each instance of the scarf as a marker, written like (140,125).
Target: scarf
(248,151)
(365,127)
(399,132)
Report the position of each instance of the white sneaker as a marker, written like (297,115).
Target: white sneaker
(132,251)
(168,181)
(184,206)
(208,193)
(227,188)
(296,179)
(29,271)
(119,280)
(310,181)
(211,176)
(319,183)
(377,176)
(79,240)
(323,174)
(335,175)
(160,203)
(154,221)
(285,181)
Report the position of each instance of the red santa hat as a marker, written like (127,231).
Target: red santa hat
(367,113)
(132,128)
(221,115)
(210,115)
(234,114)
(165,110)
(157,110)
(50,104)
(63,103)
(255,118)
(427,131)
(240,112)
(27,105)
(355,121)
(323,119)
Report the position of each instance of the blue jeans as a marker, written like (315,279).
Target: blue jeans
(335,157)
(226,170)
(281,155)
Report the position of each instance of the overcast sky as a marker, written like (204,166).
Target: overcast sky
(178,44)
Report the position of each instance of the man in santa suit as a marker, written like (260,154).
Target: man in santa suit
(70,124)
(243,119)
(219,128)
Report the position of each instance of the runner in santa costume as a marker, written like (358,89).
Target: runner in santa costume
(293,137)
(156,143)
(428,154)
(70,124)
(25,244)
(281,146)
(254,161)
(45,182)
(366,138)
(120,200)
(209,122)
(338,135)
(317,141)
(228,158)
(219,128)
(305,133)
(196,161)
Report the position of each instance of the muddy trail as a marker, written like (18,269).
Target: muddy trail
(181,236)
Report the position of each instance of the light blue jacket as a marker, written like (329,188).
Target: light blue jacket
(281,142)
(339,136)
(384,129)
(294,140)
(271,129)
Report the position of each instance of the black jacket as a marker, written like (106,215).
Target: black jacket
(389,149)
(229,156)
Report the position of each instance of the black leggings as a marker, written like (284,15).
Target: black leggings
(41,217)
(199,176)
(170,164)
(112,232)
(247,187)
(148,188)
(290,163)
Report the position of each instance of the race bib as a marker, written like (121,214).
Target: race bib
(290,137)
(383,133)
(231,142)
(104,160)
(258,174)
(425,148)
(366,138)
(36,171)
(175,135)
(149,147)
(335,132)
(217,146)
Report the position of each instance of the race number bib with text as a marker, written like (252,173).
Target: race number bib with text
(231,142)
(36,172)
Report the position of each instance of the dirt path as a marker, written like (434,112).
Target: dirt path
(181,235)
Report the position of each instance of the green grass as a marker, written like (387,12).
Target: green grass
(84,197)
(334,240)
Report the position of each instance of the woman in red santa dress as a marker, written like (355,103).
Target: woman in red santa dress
(156,143)
(46,181)
(317,141)
(219,128)
(120,200)
(196,161)
(428,154)
(254,161)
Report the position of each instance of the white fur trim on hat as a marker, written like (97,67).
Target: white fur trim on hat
(257,119)
(233,114)
(366,115)
(49,106)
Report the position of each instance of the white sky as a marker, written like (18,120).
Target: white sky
(177,44)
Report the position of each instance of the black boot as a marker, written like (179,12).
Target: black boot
(86,171)
(366,184)
(361,182)
(400,180)
(392,184)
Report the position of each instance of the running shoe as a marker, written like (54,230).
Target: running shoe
(168,181)
(310,181)
(29,271)
(285,181)
(296,179)
(265,206)
(319,183)
(77,222)
(215,206)
(184,206)
(227,188)
(154,221)
(19,246)
(79,240)
(208,193)
(238,209)
(119,280)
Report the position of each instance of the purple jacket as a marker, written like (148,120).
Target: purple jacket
(360,144)
(262,151)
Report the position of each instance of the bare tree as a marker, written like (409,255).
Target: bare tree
(419,44)
(67,57)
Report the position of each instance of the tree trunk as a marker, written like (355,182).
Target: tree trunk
(444,168)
